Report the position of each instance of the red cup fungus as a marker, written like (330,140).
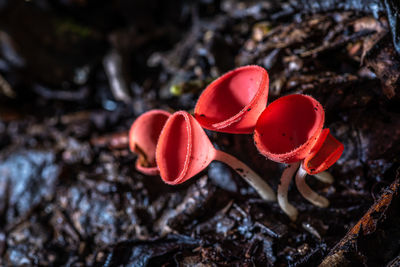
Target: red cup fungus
(143,137)
(324,154)
(290,131)
(234,101)
(184,150)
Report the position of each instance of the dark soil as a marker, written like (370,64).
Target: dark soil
(74,75)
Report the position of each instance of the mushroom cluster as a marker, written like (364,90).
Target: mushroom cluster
(289,130)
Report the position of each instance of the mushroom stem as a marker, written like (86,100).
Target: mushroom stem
(283,187)
(307,192)
(325,177)
(252,178)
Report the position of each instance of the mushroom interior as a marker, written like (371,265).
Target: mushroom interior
(145,132)
(328,153)
(174,149)
(288,123)
(229,94)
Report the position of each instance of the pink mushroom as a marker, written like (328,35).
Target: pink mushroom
(143,137)
(290,131)
(233,102)
(184,150)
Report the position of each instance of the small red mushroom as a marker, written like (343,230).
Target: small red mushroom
(143,137)
(290,131)
(324,154)
(184,150)
(233,102)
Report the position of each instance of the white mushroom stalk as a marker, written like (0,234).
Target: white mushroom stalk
(303,188)
(325,177)
(307,192)
(252,178)
(283,187)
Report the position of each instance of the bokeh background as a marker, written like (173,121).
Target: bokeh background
(74,75)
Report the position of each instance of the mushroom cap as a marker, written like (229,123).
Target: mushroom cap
(234,101)
(150,171)
(183,149)
(324,154)
(143,137)
(289,128)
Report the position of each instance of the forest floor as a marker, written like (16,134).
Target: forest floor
(74,76)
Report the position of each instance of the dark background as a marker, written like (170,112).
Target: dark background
(74,74)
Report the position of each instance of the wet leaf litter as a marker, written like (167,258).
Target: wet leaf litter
(66,200)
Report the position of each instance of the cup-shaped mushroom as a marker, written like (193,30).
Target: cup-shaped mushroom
(143,137)
(289,128)
(183,149)
(324,154)
(234,101)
